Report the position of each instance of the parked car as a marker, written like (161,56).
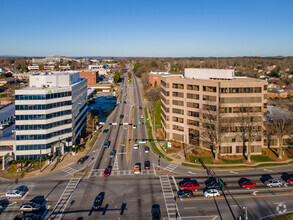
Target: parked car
(147,165)
(30,207)
(107,171)
(213,183)
(137,168)
(135,146)
(107,143)
(140,108)
(290,180)
(98,201)
(211,193)
(193,186)
(146,149)
(105,130)
(247,184)
(274,182)
(185,193)
(112,153)
(14,194)
(121,116)
(125,101)
(156,212)
(82,159)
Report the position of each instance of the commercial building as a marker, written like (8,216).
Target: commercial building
(50,114)
(188,99)
(155,78)
(91,76)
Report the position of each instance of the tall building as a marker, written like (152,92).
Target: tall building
(50,114)
(186,100)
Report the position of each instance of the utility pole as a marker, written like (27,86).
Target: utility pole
(245,213)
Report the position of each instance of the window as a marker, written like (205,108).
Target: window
(239,149)
(241,90)
(192,122)
(177,119)
(209,98)
(241,100)
(178,111)
(193,114)
(178,94)
(165,92)
(209,89)
(192,96)
(226,150)
(192,105)
(177,86)
(176,102)
(210,107)
(193,87)
(178,128)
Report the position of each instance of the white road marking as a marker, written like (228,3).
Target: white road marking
(254,193)
(24,196)
(267,170)
(234,172)
(175,183)
(191,172)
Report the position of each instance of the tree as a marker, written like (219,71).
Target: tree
(157,112)
(282,122)
(116,77)
(136,66)
(154,64)
(25,69)
(155,84)
(249,130)
(153,95)
(213,128)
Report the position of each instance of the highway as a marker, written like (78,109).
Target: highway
(131,196)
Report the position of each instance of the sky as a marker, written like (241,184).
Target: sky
(148,28)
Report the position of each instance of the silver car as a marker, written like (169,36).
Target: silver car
(274,182)
(14,194)
(29,207)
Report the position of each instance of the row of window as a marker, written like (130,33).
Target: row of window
(43,116)
(43,126)
(239,109)
(43,136)
(42,107)
(43,97)
(241,90)
(33,147)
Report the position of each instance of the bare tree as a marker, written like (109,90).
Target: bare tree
(249,129)
(213,128)
(282,123)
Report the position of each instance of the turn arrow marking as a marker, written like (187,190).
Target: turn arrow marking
(254,193)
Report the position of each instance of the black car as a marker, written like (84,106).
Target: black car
(188,180)
(81,160)
(185,193)
(107,143)
(121,116)
(27,216)
(98,201)
(156,212)
(105,130)
(124,101)
(213,183)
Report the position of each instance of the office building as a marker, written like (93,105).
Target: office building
(50,114)
(155,78)
(188,98)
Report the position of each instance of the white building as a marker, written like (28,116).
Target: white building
(50,114)
(33,67)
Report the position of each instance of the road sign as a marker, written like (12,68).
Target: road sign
(141,142)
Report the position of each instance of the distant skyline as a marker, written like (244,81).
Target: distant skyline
(150,28)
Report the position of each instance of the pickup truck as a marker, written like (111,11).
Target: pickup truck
(192,185)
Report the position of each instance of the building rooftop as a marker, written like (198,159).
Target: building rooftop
(197,73)
(7,112)
(159,73)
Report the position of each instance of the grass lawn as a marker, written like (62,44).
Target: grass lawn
(284,217)
(170,150)
(261,158)
(91,144)
(206,160)
(225,161)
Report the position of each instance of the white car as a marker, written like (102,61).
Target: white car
(211,193)
(274,182)
(135,146)
(134,126)
(14,194)
(141,116)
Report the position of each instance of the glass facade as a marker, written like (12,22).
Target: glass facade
(42,136)
(42,107)
(43,97)
(43,116)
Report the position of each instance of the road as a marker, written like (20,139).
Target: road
(131,196)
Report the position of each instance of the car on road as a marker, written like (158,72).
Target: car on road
(211,193)
(112,153)
(156,212)
(247,184)
(14,194)
(146,149)
(82,159)
(98,201)
(213,183)
(107,143)
(290,180)
(134,126)
(107,171)
(121,116)
(141,116)
(184,193)
(105,130)
(192,185)
(140,108)
(30,207)
(124,101)
(274,182)
(135,146)
(13,130)
(137,168)
(147,165)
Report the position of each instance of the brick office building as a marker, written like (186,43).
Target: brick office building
(91,76)
(155,78)
(186,98)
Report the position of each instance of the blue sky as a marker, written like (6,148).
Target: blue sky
(146,28)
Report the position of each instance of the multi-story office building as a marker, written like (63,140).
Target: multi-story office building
(187,98)
(50,114)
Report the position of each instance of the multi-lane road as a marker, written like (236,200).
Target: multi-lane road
(131,196)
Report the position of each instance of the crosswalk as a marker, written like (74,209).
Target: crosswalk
(170,200)
(100,172)
(170,167)
(64,199)
(70,170)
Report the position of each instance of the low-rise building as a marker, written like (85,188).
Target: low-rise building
(91,76)
(277,93)
(155,78)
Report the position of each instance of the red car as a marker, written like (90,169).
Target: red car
(107,171)
(140,108)
(248,185)
(193,186)
(147,165)
(290,180)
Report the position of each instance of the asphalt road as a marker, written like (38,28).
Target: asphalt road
(130,196)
